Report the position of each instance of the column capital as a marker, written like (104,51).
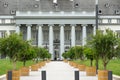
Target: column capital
(61,25)
(18,24)
(72,24)
(29,25)
(84,25)
(39,25)
(50,24)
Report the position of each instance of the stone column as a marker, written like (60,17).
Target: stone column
(94,29)
(61,40)
(51,39)
(28,32)
(40,35)
(73,35)
(84,34)
(18,28)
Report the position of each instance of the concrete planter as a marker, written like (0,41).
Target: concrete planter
(91,71)
(24,71)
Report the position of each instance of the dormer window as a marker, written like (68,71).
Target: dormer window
(76,5)
(5,5)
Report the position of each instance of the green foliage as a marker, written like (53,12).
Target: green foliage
(104,45)
(27,52)
(64,55)
(11,46)
(79,52)
(44,53)
(89,53)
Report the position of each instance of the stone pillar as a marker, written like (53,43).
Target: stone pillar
(29,32)
(84,34)
(94,29)
(73,35)
(61,40)
(18,28)
(40,35)
(51,39)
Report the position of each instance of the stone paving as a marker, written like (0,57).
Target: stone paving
(57,70)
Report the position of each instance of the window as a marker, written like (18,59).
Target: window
(67,35)
(2,34)
(12,31)
(109,20)
(77,33)
(118,20)
(100,20)
(3,21)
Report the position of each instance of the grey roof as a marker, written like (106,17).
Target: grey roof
(109,7)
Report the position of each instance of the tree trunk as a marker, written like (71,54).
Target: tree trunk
(24,62)
(97,66)
(105,65)
(14,65)
(91,64)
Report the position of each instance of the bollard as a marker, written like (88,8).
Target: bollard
(109,75)
(43,75)
(76,75)
(9,75)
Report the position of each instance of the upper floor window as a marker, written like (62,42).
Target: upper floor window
(2,34)
(3,21)
(109,20)
(118,20)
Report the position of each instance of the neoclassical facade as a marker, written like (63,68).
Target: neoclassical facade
(57,31)
(58,25)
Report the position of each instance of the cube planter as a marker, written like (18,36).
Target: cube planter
(91,71)
(81,67)
(24,71)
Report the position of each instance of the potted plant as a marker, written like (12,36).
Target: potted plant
(106,47)
(27,53)
(11,46)
(89,53)
(80,55)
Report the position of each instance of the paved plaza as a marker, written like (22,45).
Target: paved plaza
(57,70)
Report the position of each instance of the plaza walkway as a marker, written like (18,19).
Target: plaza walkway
(57,70)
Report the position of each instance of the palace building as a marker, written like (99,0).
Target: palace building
(58,25)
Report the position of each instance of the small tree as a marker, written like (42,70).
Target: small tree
(64,55)
(71,53)
(11,47)
(79,52)
(27,52)
(43,53)
(89,53)
(105,45)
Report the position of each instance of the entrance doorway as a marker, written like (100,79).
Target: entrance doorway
(56,55)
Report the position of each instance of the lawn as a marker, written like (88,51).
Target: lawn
(6,65)
(113,65)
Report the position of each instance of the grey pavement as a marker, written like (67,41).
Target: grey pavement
(57,70)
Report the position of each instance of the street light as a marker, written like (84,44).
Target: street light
(96,8)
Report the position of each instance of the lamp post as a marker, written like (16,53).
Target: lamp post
(96,9)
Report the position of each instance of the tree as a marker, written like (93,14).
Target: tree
(27,52)
(89,53)
(105,45)
(79,52)
(43,53)
(11,47)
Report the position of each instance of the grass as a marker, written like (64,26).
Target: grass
(6,65)
(113,65)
